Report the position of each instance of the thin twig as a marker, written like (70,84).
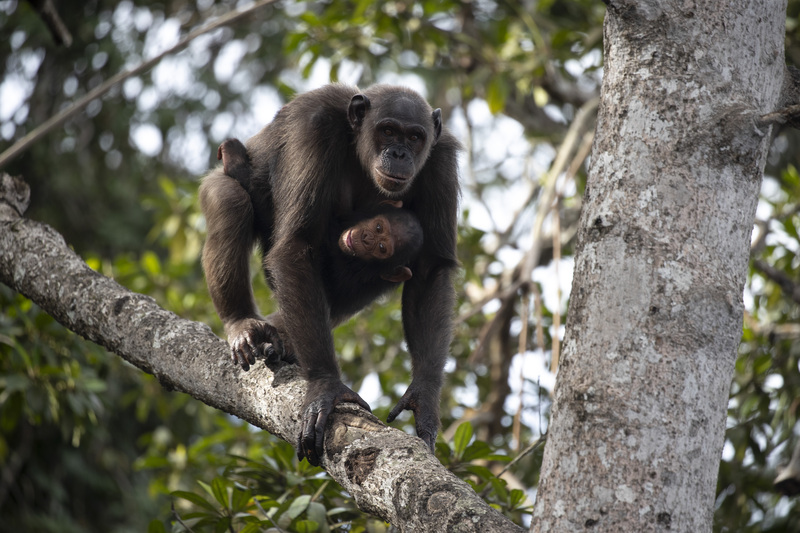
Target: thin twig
(49,14)
(781,116)
(563,157)
(267,515)
(57,120)
(535,444)
(556,340)
(567,148)
(523,344)
(178,518)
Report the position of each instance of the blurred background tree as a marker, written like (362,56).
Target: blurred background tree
(88,443)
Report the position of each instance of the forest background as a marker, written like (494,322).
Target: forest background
(88,443)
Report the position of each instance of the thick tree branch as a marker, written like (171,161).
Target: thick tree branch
(389,473)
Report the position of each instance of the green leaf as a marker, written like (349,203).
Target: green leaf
(515,498)
(150,263)
(762,364)
(306,526)
(156,526)
(498,457)
(267,502)
(499,487)
(476,450)
(167,187)
(240,499)
(256,527)
(220,491)
(206,487)
(497,94)
(443,451)
(223,525)
(483,473)
(95,385)
(298,506)
(155,461)
(194,498)
(317,513)
(462,438)
(15,382)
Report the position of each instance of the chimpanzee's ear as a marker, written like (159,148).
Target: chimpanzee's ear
(359,105)
(398,275)
(437,124)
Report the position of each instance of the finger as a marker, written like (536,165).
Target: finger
(272,337)
(277,344)
(309,439)
(322,419)
(427,437)
(427,426)
(353,397)
(401,406)
(301,443)
(299,447)
(270,354)
(233,356)
(396,410)
(249,348)
(239,348)
(362,403)
(239,358)
(302,452)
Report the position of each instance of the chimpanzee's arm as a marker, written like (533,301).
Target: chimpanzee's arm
(429,297)
(304,308)
(226,257)
(427,321)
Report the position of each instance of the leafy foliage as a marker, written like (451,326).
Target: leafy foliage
(765,407)
(304,499)
(93,445)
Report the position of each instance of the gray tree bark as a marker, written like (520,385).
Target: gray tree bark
(389,473)
(656,308)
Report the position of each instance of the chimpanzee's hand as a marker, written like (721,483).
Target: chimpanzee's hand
(321,397)
(423,400)
(251,337)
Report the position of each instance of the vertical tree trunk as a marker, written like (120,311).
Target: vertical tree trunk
(656,313)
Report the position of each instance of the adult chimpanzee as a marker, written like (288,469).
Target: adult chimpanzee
(328,154)
(363,256)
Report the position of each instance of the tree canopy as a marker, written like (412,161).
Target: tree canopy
(89,443)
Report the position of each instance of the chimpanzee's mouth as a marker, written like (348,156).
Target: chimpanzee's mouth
(394,180)
(348,241)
